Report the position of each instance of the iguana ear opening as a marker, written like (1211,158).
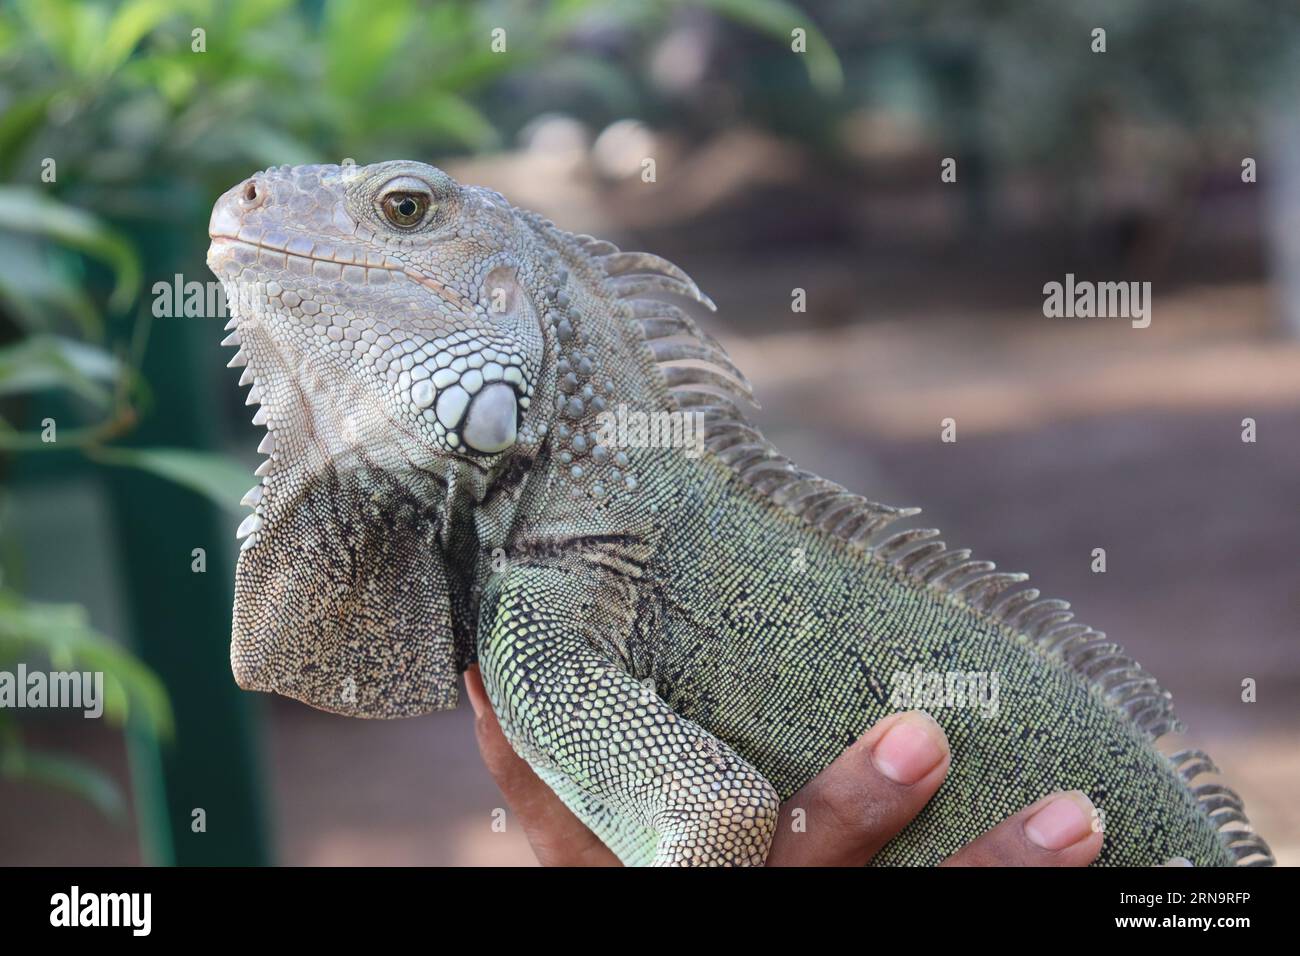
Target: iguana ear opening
(344,600)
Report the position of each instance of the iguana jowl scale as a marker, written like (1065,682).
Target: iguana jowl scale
(432,366)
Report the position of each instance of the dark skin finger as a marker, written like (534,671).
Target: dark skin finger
(846,813)
(1058,830)
(839,818)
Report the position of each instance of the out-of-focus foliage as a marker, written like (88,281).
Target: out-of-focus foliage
(1023,76)
(61,635)
(120,92)
(41,291)
(213,476)
(27,213)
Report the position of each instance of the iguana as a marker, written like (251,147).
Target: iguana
(466,411)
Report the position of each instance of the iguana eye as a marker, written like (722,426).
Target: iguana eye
(404,209)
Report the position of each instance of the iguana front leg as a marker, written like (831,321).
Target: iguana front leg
(569,710)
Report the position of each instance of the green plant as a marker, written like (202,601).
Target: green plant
(61,634)
(57,345)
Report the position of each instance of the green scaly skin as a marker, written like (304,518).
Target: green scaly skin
(675,641)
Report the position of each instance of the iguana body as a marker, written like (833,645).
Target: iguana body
(675,641)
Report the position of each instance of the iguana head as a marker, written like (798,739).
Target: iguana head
(388,321)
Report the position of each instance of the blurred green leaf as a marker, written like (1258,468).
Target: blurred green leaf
(361,40)
(24,209)
(21,121)
(265,146)
(63,634)
(48,361)
(64,773)
(130,24)
(36,292)
(62,26)
(218,478)
(244,15)
(777,19)
(442,112)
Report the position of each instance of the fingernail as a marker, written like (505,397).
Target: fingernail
(1062,822)
(910,749)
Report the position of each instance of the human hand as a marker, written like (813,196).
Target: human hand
(862,800)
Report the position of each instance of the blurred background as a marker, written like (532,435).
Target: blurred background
(783,161)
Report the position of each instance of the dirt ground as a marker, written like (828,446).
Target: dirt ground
(1070,436)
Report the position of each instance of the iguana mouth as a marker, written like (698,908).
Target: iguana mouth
(328,261)
(471,390)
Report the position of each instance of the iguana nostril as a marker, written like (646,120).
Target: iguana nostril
(252,195)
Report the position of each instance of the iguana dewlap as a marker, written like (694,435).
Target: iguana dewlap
(467,460)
